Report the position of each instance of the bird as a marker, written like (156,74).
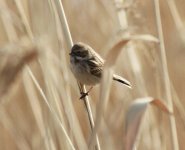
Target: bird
(87,66)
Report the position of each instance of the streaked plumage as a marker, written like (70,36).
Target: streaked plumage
(87,65)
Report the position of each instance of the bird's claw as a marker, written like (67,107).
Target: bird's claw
(83,94)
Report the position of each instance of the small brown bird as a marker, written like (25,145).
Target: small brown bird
(87,66)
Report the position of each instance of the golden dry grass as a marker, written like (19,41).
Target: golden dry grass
(41,109)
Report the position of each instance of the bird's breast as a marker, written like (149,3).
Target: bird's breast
(82,72)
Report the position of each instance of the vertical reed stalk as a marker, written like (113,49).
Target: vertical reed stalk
(166,76)
(31,36)
(69,41)
(50,108)
(122,18)
(177,18)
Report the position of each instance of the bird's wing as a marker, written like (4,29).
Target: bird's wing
(96,67)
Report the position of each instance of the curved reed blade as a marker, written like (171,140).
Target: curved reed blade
(134,118)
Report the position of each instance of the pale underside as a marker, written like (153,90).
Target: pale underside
(86,75)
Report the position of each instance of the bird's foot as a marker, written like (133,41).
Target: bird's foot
(84,94)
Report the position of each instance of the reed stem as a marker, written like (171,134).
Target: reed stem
(82,88)
(166,76)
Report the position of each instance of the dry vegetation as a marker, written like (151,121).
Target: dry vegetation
(39,97)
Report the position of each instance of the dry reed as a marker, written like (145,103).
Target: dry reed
(40,106)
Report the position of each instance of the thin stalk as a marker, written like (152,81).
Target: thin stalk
(133,58)
(69,44)
(123,22)
(90,116)
(65,27)
(24,18)
(30,34)
(9,28)
(176,18)
(73,120)
(69,41)
(166,76)
(50,108)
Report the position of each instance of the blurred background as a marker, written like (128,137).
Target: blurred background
(42,99)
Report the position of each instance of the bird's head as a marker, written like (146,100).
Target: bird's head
(80,51)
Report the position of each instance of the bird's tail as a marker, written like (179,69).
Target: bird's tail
(122,80)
